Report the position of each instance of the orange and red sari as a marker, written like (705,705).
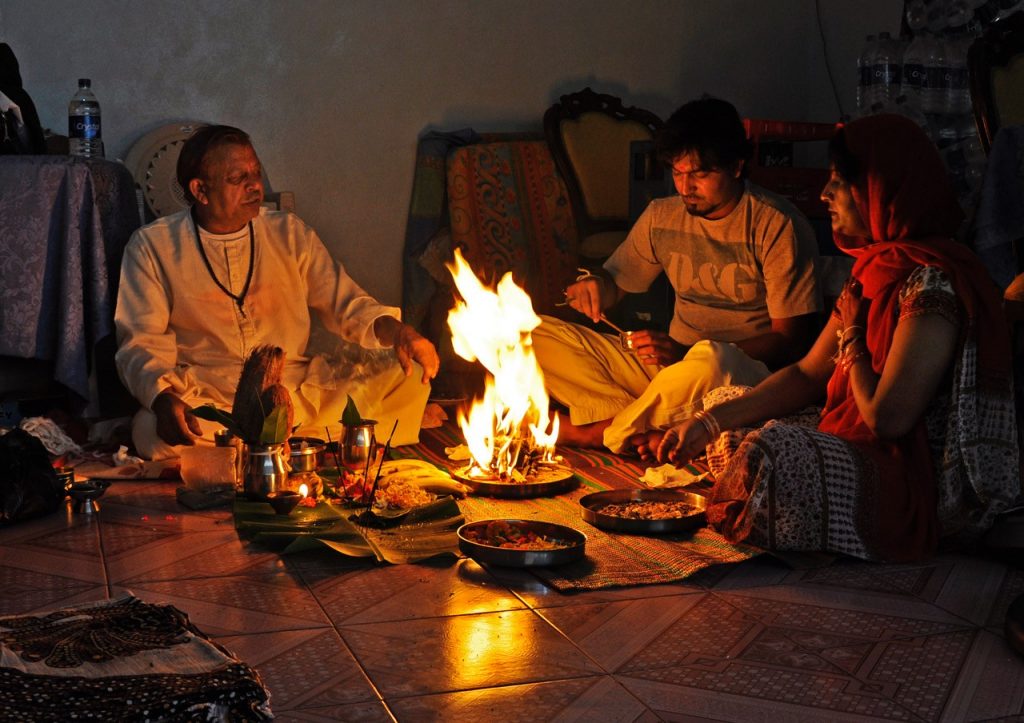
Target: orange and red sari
(838,487)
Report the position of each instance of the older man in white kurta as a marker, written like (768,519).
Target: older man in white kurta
(178,330)
(200,289)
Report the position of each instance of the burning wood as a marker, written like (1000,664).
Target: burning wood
(509,432)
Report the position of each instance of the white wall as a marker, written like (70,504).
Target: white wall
(336,92)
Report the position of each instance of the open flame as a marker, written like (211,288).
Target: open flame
(509,431)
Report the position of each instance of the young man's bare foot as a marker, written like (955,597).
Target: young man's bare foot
(646,444)
(583,435)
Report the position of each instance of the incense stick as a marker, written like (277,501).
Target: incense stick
(376,479)
(337,464)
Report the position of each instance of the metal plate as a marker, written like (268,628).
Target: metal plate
(552,481)
(509,557)
(589,504)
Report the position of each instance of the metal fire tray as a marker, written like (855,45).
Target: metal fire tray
(551,480)
(590,504)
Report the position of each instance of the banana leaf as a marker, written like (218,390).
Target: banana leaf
(427,531)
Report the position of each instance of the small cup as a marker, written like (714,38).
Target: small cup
(284,501)
(626,340)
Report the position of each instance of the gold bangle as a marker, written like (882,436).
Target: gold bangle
(710,423)
(850,359)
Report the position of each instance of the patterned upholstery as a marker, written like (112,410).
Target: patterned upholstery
(509,211)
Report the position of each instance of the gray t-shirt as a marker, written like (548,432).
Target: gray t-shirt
(731,276)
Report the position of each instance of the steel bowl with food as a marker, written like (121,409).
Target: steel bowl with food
(644,511)
(307,454)
(521,543)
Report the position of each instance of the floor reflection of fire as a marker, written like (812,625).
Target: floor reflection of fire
(510,431)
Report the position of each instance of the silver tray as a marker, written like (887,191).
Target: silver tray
(553,481)
(589,504)
(509,557)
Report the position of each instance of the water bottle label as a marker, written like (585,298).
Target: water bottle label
(914,75)
(86,127)
(935,77)
(958,78)
(890,73)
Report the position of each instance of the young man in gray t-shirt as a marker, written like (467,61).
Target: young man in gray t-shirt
(741,261)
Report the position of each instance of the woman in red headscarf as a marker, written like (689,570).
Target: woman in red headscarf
(917,438)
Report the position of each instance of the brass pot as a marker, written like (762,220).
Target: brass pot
(307,454)
(358,444)
(266,471)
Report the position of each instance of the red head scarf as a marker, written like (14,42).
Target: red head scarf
(903,194)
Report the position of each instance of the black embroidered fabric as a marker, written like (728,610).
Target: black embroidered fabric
(67,639)
(122,660)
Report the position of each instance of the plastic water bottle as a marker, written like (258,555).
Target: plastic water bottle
(864,71)
(933,99)
(914,72)
(886,73)
(958,91)
(85,137)
(917,12)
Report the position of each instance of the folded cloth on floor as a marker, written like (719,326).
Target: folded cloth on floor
(121,659)
(668,476)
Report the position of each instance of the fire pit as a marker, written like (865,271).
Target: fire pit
(509,432)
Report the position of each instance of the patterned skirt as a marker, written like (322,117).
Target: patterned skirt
(787,486)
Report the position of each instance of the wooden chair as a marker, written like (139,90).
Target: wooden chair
(590,135)
(995,64)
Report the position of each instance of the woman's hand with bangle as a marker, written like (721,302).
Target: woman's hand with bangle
(852,306)
(683,442)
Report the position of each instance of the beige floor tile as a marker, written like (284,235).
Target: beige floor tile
(598,698)
(435,655)
(304,668)
(405,592)
(189,555)
(27,596)
(374,712)
(236,605)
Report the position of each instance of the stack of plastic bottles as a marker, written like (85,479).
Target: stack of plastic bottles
(924,77)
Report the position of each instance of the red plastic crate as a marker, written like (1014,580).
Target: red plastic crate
(772,166)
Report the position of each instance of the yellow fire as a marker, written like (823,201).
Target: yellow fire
(512,420)
(303,490)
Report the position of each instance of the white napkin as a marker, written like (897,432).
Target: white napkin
(668,476)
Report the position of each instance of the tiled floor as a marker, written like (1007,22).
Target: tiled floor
(340,640)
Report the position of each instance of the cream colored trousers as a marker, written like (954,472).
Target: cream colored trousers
(385,397)
(592,375)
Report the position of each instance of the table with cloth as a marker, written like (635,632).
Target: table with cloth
(65,224)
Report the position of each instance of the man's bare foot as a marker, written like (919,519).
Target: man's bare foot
(646,444)
(583,435)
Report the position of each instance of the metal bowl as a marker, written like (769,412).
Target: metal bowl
(84,494)
(307,454)
(574,540)
(590,504)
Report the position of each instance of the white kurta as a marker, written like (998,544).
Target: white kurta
(178,330)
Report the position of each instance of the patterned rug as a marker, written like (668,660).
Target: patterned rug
(121,660)
(612,559)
